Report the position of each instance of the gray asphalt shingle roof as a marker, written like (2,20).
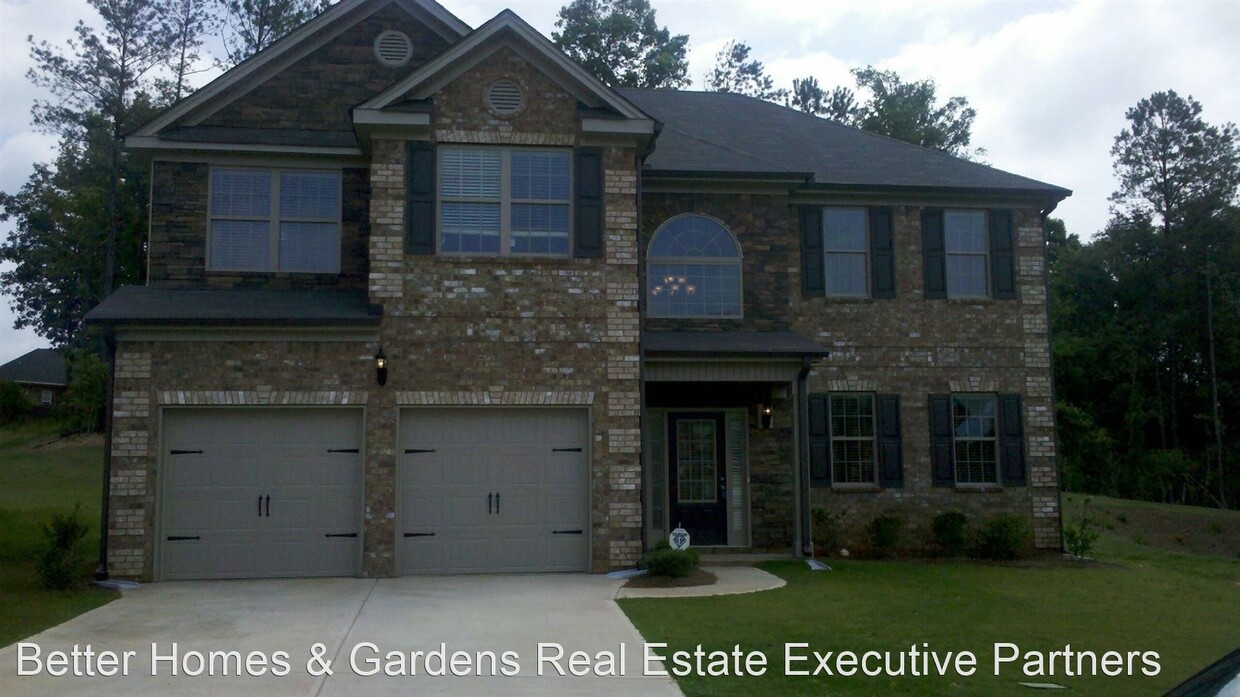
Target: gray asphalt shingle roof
(148,305)
(41,366)
(719,133)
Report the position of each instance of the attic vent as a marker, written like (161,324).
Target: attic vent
(393,48)
(504,98)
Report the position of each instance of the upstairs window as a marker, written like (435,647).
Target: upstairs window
(693,269)
(504,201)
(274,220)
(846,249)
(964,235)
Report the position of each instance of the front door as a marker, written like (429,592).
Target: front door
(698,477)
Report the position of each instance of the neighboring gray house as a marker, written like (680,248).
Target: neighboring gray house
(41,374)
(431,299)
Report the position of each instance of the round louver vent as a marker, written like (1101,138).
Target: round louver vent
(505,98)
(393,48)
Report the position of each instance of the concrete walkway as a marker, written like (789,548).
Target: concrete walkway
(467,614)
(732,580)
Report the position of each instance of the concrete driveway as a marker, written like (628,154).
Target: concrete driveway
(400,617)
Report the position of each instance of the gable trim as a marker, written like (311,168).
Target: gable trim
(291,48)
(431,73)
(157,143)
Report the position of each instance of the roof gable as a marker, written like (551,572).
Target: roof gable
(298,44)
(504,30)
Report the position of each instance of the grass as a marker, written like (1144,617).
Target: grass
(41,474)
(1135,598)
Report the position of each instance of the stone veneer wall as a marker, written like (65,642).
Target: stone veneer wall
(906,345)
(178,235)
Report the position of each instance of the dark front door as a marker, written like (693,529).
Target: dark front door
(697,473)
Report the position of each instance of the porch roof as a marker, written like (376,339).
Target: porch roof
(148,305)
(730,344)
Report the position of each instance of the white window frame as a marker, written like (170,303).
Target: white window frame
(948,254)
(505,202)
(273,218)
(827,252)
(956,440)
(45,398)
(873,439)
(739,261)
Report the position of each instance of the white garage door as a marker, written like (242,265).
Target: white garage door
(253,493)
(494,490)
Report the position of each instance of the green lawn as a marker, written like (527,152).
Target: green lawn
(1137,598)
(40,476)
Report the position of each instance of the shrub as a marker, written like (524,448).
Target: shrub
(826,531)
(81,408)
(668,562)
(1079,537)
(62,566)
(883,533)
(951,532)
(15,407)
(1001,538)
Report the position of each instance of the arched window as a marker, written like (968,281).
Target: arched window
(693,269)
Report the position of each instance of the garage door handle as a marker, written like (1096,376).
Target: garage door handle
(179,538)
(497,503)
(489,495)
(341,534)
(414,451)
(260,505)
(567,532)
(566,450)
(342,450)
(419,534)
(269,506)
(185,452)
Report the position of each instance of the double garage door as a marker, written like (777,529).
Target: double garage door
(251,493)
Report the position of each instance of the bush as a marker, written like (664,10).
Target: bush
(1001,538)
(62,565)
(951,532)
(15,407)
(826,530)
(883,533)
(82,407)
(1079,537)
(668,562)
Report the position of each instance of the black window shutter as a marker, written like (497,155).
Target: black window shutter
(882,253)
(942,466)
(934,254)
(420,197)
(890,454)
(813,283)
(819,441)
(1011,440)
(588,204)
(1002,256)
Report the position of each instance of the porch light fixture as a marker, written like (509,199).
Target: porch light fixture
(764,416)
(381,367)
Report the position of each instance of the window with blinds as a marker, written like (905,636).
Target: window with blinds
(504,201)
(274,220)
(964,236)
(846,252)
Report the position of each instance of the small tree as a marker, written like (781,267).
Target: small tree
(735,72)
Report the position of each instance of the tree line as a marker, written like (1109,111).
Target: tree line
(1145,314)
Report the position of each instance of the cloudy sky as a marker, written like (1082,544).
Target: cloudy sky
(1050,80)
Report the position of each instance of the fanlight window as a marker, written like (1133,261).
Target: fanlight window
(693,270)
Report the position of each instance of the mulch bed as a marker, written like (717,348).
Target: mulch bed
(697,578)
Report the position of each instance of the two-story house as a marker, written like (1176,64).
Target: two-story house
(431,299)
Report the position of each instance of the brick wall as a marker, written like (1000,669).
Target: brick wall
(906,345)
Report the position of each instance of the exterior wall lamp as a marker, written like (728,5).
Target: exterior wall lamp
(764,416)
(381,367)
